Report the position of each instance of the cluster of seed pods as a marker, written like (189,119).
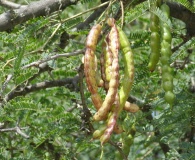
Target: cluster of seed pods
(109,109)
(160,44)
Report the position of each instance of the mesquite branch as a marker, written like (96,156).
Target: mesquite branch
(37,63)
(9,19)
(16,129)
(21,13)
(86,113)
(180,12)
(67,82)
(10,5)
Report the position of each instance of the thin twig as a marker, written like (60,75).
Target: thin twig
(89,10)
(10,5)
(7,63)
(192,84)
(72,108)
(186,60)
(122,13)
(44,67)
(148,152)
(41,49)
(185,40)
(106,11)
(119,149)
(54,32)
(86,113)
(37,63)
(2,59)
(9,77)
(16,129)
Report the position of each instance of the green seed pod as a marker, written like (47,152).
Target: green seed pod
(164,60)
(167,86)
(166,68)
(128,61)
(165,44)
(155,50)
(169,97)
(98,133)
(154,40)
(167,77)
(166,51)
(167,36)
(166,10)
(154,27)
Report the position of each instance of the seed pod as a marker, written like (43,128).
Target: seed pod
(167,77)
(98,78)
(167,86)
(93,36)
(89,69)
(108,56)
(154,40)
(131,107)
(127,80)
(111,121)
(169,97)
(113,37)
(125,87)
(102,67)
(111,94)
(99,132)
(114,80)
(90,65)
(155,50)
(107,59)
(110,127)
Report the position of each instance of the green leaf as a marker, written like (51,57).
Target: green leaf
(136,12)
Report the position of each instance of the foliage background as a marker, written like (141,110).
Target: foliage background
(51,118)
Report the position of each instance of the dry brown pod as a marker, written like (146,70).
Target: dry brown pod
(131,107)
(90,65)
(112,121)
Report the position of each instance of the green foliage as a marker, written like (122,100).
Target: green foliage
(52,117)
(189,44)
(186,4)
(136,12)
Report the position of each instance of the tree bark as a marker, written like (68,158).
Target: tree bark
(9,19)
